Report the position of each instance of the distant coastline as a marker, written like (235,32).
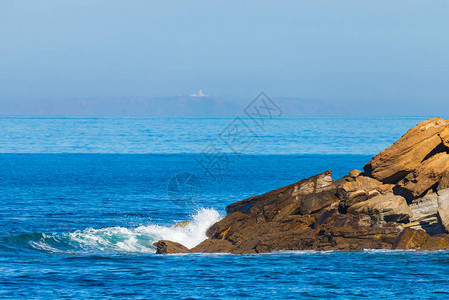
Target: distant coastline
(197,104)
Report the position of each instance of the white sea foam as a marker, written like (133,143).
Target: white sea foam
(141,239)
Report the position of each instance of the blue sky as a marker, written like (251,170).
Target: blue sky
(358,53)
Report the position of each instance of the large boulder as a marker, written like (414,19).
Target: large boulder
(384,208)
(410,239)
(425,177)
(168,247)
(401,158)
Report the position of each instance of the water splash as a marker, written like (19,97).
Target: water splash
(121,239)
(141,239)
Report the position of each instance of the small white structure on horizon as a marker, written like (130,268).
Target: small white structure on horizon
(200,94)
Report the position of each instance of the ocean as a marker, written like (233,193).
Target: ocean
(84,198)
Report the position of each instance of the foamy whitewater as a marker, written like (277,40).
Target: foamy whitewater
(127,240)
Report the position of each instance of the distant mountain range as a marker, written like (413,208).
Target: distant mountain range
(193,105)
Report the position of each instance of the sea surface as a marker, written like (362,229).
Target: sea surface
(84,198)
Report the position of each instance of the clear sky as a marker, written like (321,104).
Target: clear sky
(391,54)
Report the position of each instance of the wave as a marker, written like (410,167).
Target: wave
(118,239)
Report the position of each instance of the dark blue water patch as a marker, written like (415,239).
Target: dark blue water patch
(309,275)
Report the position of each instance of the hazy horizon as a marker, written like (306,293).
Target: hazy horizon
(377,58)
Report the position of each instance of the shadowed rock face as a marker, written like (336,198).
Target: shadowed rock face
(425,176)
(401,201)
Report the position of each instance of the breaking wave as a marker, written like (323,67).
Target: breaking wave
(120,239)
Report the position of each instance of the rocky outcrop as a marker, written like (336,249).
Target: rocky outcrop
(395,162)
(400,201)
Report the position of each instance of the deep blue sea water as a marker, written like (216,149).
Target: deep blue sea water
(83,199)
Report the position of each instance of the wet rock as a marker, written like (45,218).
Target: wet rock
(214,246)
(354,232)
(436,242)
(229,224)
(401,158)
(410,239)
(167,247)
(249,236)
(384,208)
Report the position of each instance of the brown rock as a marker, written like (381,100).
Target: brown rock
(437,242)
(324,217)
(354,173)
(315,202)
(388,208)
(235,220)
(444,135)
(248,234)
(410,239)
(444,182)
(214,246)
(353,232)
(284,201)
(361,189)
(166,247)
(395,162)
(424,177)
(363,183)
